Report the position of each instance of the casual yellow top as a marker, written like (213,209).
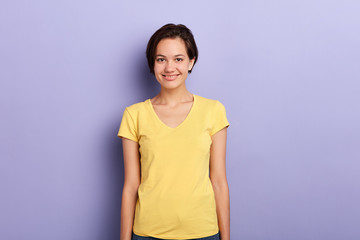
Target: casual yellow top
(175,197)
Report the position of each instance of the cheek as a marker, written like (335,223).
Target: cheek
(157,68)
(186,67)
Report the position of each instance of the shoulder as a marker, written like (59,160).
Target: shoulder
(135,110)
(208,102)
(136,107)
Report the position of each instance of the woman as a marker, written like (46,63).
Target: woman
(171,144)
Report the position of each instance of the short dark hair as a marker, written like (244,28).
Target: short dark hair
(171,31)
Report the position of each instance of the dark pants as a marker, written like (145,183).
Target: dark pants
(213,237)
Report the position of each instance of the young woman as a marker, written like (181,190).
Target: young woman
(174,149)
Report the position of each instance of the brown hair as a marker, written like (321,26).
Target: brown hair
(171,31)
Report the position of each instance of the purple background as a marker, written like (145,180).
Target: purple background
(287,72)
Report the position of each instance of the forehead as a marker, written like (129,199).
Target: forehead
(168,46)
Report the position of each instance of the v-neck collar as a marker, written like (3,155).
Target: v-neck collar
(182,123)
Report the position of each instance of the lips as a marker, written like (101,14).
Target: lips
(171,77)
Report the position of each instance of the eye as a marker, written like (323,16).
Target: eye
(160,59)
(178,59)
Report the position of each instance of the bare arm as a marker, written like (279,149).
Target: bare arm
(219,182)
(131,185)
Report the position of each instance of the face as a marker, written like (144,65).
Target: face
(172,63)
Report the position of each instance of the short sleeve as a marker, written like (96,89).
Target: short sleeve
(219,118)
(128,127)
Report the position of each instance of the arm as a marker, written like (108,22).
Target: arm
(219,182)
(131,185)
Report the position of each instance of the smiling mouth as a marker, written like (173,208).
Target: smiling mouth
(170,77)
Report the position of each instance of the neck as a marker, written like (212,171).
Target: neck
(173,96)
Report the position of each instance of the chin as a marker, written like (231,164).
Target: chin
(170,85)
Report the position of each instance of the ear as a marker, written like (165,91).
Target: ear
(191,64)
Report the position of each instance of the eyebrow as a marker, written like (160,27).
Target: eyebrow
(177,55)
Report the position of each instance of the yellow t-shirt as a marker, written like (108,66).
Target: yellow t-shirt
(175,197)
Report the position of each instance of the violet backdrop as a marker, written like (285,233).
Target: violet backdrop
(287,72)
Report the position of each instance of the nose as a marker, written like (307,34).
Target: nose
(169,66)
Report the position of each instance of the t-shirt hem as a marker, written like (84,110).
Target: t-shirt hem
(219,128)
(177,236)
(129,137)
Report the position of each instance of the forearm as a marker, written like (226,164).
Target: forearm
(221,191)
(129,198)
